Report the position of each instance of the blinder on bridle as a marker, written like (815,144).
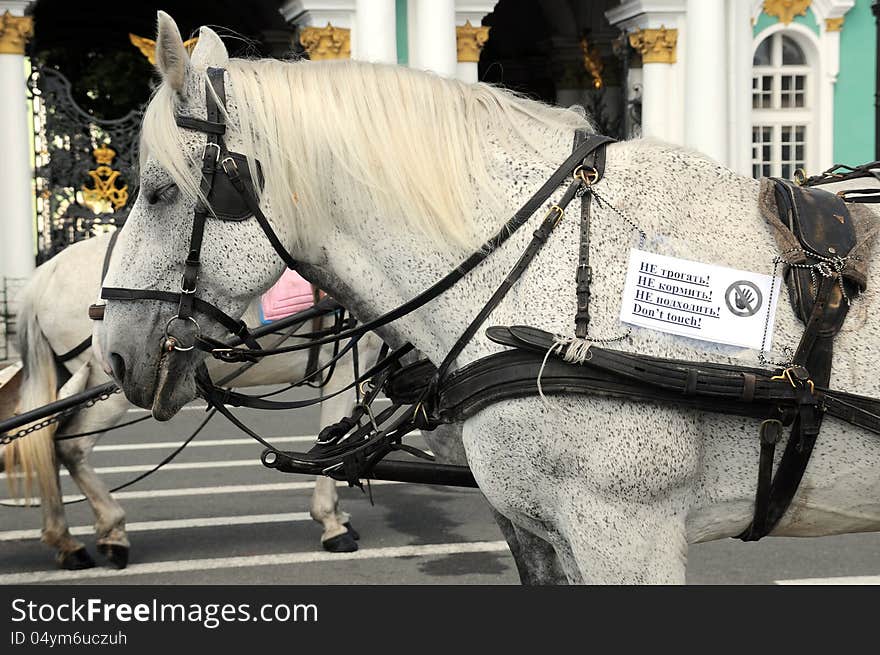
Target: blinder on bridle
(231,196)
(224,200)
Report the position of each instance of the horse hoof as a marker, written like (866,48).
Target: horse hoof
(76,560)
(116,555)
(341,543)
(354,533)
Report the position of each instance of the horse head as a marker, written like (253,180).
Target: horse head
(191,257)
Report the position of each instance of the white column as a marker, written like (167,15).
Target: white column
(376,31)
(435,36)
(466,71)
(473,12)
(317,13)
(706,78)
(658,30)
(740,89)
(656,118)
(16,183)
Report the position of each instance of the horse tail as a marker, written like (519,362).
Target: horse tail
(30,461)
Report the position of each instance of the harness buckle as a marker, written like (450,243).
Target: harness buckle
(796,376)
(586,174)
(771,431)
(183,288)
(559,211)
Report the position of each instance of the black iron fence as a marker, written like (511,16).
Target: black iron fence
(85,167)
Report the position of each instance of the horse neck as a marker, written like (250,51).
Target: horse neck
(376,269)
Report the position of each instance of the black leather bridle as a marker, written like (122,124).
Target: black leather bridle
(231,195)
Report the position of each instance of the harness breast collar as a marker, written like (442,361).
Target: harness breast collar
(231,196)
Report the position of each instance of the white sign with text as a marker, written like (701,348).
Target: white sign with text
(701,301)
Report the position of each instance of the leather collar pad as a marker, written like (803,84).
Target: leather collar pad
(820,220)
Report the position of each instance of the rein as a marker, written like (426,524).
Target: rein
(843,173)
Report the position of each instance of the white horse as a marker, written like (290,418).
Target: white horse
(418,171)
(52,321)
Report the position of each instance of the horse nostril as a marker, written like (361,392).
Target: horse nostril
(118,366)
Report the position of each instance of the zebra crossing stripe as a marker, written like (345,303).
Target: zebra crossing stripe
(173,524)
(280,559)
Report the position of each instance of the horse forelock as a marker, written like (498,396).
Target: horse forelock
(338,139)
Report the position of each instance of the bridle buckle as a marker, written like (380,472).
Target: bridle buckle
(223,165)
(215,145)
(559,211)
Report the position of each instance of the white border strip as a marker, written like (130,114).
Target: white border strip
(281,559)
(845,580)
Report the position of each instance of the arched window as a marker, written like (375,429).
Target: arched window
(782,113)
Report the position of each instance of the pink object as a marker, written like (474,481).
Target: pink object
(290,294)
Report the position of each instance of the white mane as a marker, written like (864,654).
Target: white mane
(405,143)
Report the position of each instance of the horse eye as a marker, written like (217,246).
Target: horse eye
(163,193)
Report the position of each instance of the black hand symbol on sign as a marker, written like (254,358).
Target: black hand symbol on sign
(744,298)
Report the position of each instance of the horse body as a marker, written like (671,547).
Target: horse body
(54,314)
(618,488)
(585,473)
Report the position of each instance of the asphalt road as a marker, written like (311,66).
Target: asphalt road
(217,516)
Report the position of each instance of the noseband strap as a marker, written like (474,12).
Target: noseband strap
(231,193)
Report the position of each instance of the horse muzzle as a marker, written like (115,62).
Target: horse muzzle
(136,351)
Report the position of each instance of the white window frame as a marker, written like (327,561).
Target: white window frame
(823,57)
(777,117)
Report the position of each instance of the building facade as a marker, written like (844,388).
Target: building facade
(765,87)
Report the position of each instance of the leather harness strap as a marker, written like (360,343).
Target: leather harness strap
(822,307)
(559,176)
(540,236)
(591,171)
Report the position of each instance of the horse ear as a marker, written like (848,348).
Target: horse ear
(172,59)
(209,51)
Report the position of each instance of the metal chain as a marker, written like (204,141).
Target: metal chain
(826,267)
(601,201)
(762,354)
(9,437)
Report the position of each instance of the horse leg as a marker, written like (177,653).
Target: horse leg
(112,540)
(336,537)
(535,558)
(631,543)
(70,553)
